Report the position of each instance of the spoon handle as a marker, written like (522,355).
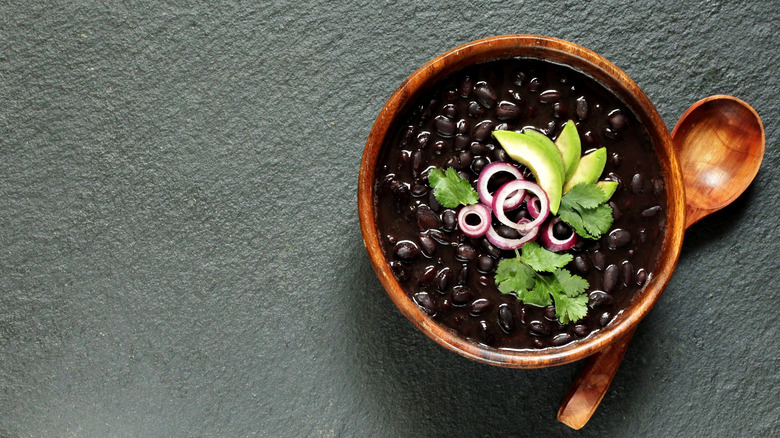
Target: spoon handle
(592,383)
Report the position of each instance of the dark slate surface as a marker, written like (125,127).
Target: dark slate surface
(180,252)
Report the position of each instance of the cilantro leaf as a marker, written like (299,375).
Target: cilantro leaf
(584,209)
(572,285)
(520,275)
(583,195)
(541,259)
(540,294)
(450,189)
(568,309)
(512,275)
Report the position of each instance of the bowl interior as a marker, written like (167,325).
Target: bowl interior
(604,72)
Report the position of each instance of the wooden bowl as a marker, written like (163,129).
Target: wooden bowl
(595,66)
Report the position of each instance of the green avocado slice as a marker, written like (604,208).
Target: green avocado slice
(609,188)
(588,169)
(568,143)
(541,158)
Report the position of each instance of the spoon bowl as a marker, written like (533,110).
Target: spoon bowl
(719,142)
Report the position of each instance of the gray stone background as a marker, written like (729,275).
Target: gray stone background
(180,253)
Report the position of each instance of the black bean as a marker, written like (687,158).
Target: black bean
(463,274)
(658,187)
(427,218)
(408,135)
(540,328)
(417,162)
(610,133)
(439,147)
(615,158)
(400,270)
(418,188)
(478,164)
(449,220)
(507,232)
(475,110)
(615,210)
(627,272)
(485,94)
(519,78)
(406,250)
(560,110)
(444,126)
(642,235)
(598,260)
(516,96)
(582,108)
(538,343)
(561,339)
(489,248)
(485,263)
(582,264)
(618,238)
(507,110)
(449,111)
(479,306)
(637,183)
(439,236)
(617,120)
(534,85)
(485,280)
(461,295)
(562,230)
(506,320)
(443,278)
(488,334)
(465,251)
(549,313)
(422,139)
(550,126)
(591,139)
(611,276)
(652,211)
(463,126)
(427,245)
(549,96)
(641,276)
(598,298)
(428,276)
(499,155)
(482,130)
(581,330)
(461,142)
(446,305)
(426,303)
(465,158)
(466,86)
(605,318)
(478,148)
(450,95)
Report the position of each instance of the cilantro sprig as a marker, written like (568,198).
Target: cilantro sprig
(450,189)
(538,277)
(584,208)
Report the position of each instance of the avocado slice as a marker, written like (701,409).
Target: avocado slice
(568,143)
(541,158)
(588,169)
(609,188)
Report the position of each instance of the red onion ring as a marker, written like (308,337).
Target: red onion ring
(480,210)
(534,205)
(488,171)
(553,243)
(503,193)
(510,244)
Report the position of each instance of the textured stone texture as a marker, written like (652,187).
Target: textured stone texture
(179,247)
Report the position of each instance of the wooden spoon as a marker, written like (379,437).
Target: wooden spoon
(720,144)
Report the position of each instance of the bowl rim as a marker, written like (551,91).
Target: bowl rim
(606,73)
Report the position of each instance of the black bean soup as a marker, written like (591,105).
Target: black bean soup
(451,276)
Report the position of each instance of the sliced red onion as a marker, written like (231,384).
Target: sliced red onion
(482,212)
(553,243)
(488,171)
(534,205)
(504,243)
(503,193)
